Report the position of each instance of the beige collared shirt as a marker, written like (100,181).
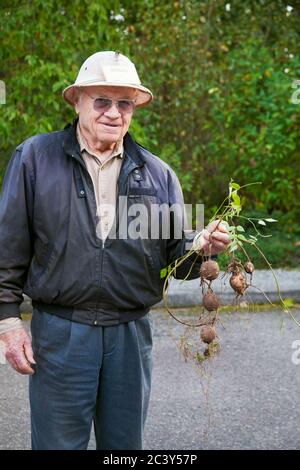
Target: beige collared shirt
(104,171)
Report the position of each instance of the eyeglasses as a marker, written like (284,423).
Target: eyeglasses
(102,104)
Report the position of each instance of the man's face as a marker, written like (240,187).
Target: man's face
(108,125)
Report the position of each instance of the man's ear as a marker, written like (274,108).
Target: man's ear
(76,106)
(77,100)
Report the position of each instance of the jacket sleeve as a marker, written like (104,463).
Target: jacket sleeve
(16,203)
(178,244)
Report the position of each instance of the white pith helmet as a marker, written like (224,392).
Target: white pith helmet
(109,68)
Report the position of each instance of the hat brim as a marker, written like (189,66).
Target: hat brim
(143,98)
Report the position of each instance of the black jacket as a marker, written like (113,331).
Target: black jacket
(48,242)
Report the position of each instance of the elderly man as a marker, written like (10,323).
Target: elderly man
(91,286)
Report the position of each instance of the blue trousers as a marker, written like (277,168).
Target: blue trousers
(87,374)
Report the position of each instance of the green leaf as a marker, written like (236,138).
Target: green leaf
(235,186)
(261,222)
(237,209)
(233,247)
(236,199)
(288,303)
(163,273)
(241,237)
(240,228)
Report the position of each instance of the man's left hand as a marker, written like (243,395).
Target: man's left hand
(214,238)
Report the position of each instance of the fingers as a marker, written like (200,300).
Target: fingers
(222,228)
(220,237)
(18,350)
(218,226)
(216,242)
(18,361)
(214,248)
(216,237)
(218,231)
(217,247)
(29,352)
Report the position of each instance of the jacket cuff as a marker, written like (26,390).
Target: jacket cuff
(9,310)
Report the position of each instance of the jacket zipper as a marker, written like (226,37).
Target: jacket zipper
(132,167)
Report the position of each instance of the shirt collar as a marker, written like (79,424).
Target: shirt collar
(118,150)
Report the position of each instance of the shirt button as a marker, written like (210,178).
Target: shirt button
(95,322)
(103,196)
(136,171)
(82,193)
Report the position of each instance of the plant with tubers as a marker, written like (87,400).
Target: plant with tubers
(241,273)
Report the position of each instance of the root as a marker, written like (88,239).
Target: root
(193,325)
(262,292)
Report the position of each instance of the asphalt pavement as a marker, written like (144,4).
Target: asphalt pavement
(247,397)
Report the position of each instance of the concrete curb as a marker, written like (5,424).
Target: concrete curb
(188,293)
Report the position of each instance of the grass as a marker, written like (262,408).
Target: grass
(26,316)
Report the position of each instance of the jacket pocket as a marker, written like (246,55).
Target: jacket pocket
(44,255)
(134,192)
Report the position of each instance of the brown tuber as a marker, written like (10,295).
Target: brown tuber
(209,270)
(208,334)
(211,301)
(249,267)
(238,283)
(233,266)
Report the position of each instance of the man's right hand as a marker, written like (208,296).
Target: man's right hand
(18,350)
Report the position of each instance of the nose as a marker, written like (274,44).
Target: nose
(113,112)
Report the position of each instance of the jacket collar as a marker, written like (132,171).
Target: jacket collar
(70,143)
(72,148)
(132,149)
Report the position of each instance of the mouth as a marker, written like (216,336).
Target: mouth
(110,126)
